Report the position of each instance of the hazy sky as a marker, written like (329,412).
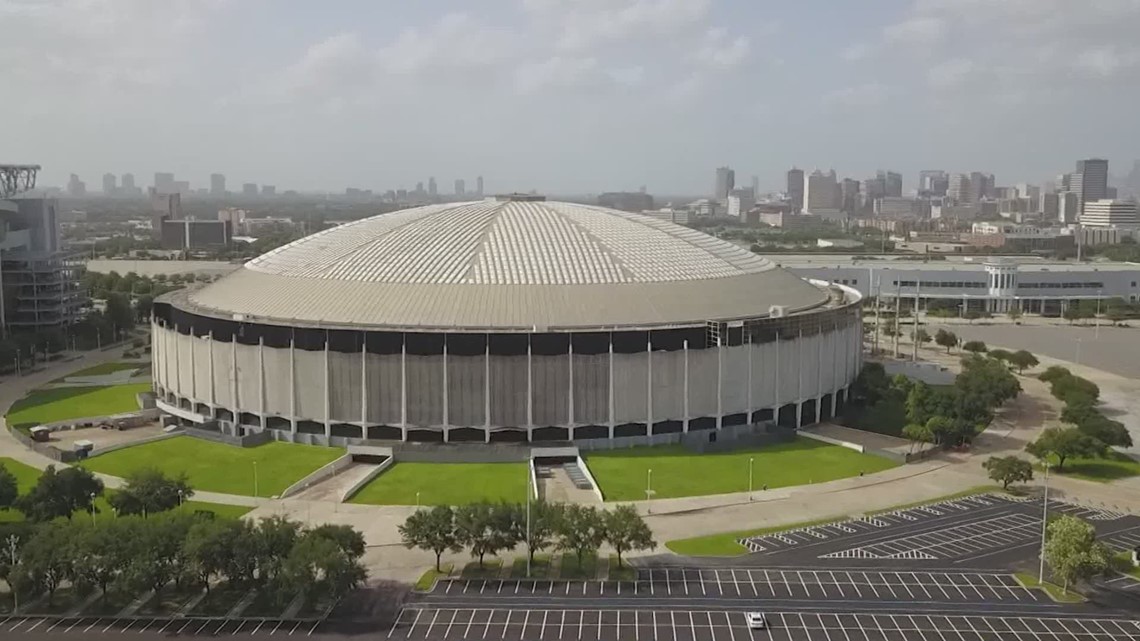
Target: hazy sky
(564,95)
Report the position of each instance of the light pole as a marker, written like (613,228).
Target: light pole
(92,495)
(750,461)
(1096,320)
(648,489)
(179,498)
(417,501)
(255,493)
(1044,522)
(528,539)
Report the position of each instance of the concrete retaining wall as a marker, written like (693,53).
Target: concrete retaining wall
(366,479)
(327,471)
(473,453)
(835,441)
(98,451)
(590,477)
(252,439)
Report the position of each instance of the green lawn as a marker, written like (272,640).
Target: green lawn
(1102,470)
(102,370)
(215,467)
(63,403)
(445,484)
(622,474)
(27,475)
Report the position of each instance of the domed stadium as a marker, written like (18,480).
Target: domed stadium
(505,320)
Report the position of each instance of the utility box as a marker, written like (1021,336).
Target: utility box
(40,434)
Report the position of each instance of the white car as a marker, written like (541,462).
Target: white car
(756,620)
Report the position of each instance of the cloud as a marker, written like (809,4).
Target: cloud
(556,71)
(721,51)
(859,96)
(454,41)
(1106,61)
(950,74)
(856,52)
(919,30)
(585,24)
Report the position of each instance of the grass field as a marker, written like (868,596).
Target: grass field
(63,403)
(445,484)
(622,474)
(214,467)
(1102,470)
(27,475)
(102,370)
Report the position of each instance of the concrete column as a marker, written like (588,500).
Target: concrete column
(404,386)
(328,394)
(446,415)
(487,390)
(237,401)
(818,409)
(193,375)
(364,386)
(261,381)
(800,369)
(719,389)
(611,399)
(776,385)
(749,350)
(529,390)
(799,414)
(570,386)
(649,387)
(834,402)
(685,386)
(292,384)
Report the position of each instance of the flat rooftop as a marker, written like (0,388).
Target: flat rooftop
(951,263)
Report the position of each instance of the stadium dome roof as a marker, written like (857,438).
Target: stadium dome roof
(505,265)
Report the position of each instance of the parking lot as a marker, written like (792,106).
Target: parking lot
(16,627)
(962,529)
(713,625)
(764,583)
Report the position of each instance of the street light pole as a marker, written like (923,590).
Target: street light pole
(528,539)
(1044,522)
(1097,319)
(92,508)
(750,461)
(256,494)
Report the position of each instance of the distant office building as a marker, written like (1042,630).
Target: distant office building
(1109,213)
(981,186)
(195,234)
(249,189)
(795,189)
(633,201)
(460,187)
(1068,207)
(217,185)
(756,186)
(1090,180)
(433,190)
(1049,206)
(892,184)
(933,182)
(39,281)
(1032,192)
(821,191)
(164,182)
(268,190)
(234,216)
(76,187)
(898,208)
(401,195)
(849,195)
(163,207)
(181,187)
(110,188)
(958,188)
(725,182)
(128,182)
(740,202)
(478,186)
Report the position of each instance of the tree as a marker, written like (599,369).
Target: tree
(433,530)
(149,491)
(543,520)
(976,347)
(319,561)
(206,549)
(917,433)
(921,336)
(1023,360)
(1054,372)
(473,526)
(871,384)
(100,551)
(348,539)
(972,315)
(1008,469)
(1005,356)
(1014,313)
(1063,443)
(1072,551)
(156,553)
(626,530)
(580,530)
(9,489)
(268,545)
(946,339)
(46,559)
(1074,390)
(1072,313)
(60,494)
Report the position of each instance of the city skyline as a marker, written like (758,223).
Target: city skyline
(373,97)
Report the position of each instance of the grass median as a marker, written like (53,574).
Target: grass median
(624,474)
